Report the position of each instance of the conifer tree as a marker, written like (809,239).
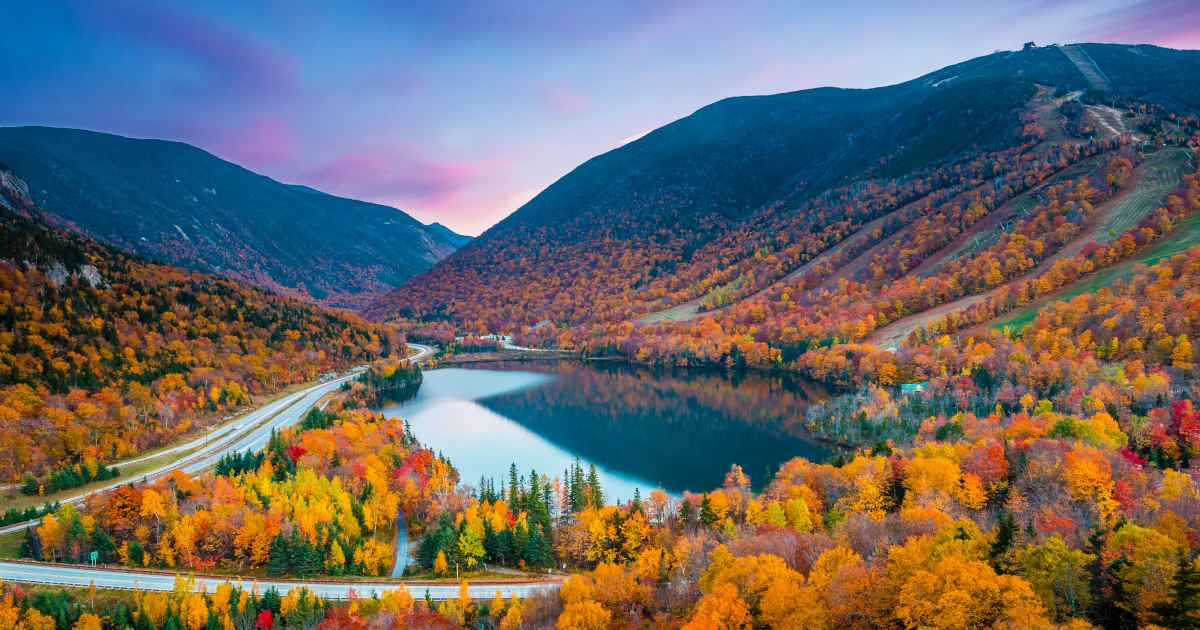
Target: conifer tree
(1182,610)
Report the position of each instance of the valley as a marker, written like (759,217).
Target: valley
(911,356)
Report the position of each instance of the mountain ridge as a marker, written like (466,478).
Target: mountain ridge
(730,200)
(181,204)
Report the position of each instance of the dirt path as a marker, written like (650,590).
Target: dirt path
(891,336)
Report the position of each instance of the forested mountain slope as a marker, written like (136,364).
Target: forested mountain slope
(802,193)
(104,354)
(178,203)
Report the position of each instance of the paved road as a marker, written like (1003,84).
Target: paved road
(244,434)
(107,578)
(401,545)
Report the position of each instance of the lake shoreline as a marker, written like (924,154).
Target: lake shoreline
(524,356)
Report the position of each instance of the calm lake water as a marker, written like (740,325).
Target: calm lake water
(643,428)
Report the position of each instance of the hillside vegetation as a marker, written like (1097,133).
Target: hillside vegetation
(104,354)
(1038,475)
(177,203)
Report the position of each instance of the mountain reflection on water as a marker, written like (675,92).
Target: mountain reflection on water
(679,429)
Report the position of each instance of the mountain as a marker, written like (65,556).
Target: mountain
(132,352)
(819,199)
(458,240)
(178,203)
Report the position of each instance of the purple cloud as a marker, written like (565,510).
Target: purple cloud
(227,57)
(398,173)
(564,101)
(1174,23)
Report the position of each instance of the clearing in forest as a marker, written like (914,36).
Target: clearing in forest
(1184,236)
(1087,66)
(1152,182)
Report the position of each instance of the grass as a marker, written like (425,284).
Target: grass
(14,499)
(133,472)
(10,544)
(1184,236)
(675,314)
(1165,170)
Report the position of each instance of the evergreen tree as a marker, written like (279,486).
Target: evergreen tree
(442,538)
(103,544)
(31,547)
(514,489)
(1006,534)
(271,601)
(595,493)
(1182,610)
(136,554)
(520,541)
(297,551)
(31,485)
(707,516)
(491,542)
(537,548)
(578,490)
(506,546)
(538,504)
(278,557)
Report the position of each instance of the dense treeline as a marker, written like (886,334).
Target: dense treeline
(321,499)
(72,476)
(105,355)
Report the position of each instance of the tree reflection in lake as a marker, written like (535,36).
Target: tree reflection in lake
(643,427)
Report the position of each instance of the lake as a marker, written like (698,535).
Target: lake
(678,429)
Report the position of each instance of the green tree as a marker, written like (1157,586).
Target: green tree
(1059,576)
(278,556)
(1182,610)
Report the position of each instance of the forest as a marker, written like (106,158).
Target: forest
(104,355)
(996,282)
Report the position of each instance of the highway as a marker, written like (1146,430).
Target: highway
(81,577)
(250,432)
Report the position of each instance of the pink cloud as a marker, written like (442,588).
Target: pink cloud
(1173,23)
(563,100)
(401,173)
(261,140)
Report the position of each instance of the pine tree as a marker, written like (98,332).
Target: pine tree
(31,547)
(136,555)
(514,489)
(595,494)
(278,556)
(578,490)
(103,544)
(1006,534)
(297,551)
(1182,610)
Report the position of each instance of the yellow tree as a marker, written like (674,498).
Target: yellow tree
(194,612)
(722,609)
(88,621)
(584,615)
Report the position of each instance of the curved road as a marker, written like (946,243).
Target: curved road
(239,436)
(248,433)
(81,577)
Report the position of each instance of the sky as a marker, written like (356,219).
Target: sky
(461,111)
